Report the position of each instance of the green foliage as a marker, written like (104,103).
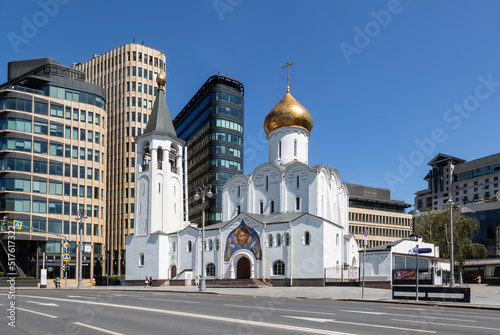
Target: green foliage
(21,278)
(434,227)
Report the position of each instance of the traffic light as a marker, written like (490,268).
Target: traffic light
(4,220)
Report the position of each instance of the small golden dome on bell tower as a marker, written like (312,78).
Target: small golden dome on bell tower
(160,80)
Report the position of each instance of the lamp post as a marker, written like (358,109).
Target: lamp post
(81,215)
(452,263)
(202,192)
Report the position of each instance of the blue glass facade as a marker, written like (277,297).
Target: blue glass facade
(212,126)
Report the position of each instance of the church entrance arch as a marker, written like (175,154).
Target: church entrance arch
(173,271)
(243,268)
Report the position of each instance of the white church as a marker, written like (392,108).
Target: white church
(285,223)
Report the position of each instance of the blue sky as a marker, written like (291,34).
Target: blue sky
(389,84)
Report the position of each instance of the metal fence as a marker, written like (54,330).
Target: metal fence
(337,274)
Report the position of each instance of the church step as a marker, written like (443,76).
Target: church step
(235,283)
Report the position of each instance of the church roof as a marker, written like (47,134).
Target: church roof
(160,120)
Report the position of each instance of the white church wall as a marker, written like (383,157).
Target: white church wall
(331,244)
(307,259)
(294,143)
(142,257)
(266,182)
(187,251)
(142,214)
(300,188)
(276,248)
(234,194)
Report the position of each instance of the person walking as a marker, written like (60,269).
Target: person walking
(196,281)
(146,282)
(150,281)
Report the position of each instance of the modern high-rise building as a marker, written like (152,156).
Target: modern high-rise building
(464,182)
(371,209)
(52,168)
(128,76)
(211,124)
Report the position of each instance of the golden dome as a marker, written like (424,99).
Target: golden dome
(288,113)
(160,80)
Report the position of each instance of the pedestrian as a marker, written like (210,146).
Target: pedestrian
(200,281)
(150,281)
(479,279)
(196,281)
(146,282)
(93,282)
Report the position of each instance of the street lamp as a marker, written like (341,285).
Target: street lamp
(81,215)
(452,263)
(201,192)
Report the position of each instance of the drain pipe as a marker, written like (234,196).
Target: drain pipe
(291,253)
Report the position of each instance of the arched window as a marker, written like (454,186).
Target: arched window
(337,240)
(189,246)
(278,240)
(279,268)
(217,244)
(297,181)
(307,238)
(287,239)
(210,270)
(267,183)
(295,148)
(270,240)
(210,245)
(238,209)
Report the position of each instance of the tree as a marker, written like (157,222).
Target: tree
(434,227)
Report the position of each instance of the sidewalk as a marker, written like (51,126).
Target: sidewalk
(482,296)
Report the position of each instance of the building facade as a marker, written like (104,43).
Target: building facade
(52,166)
(128,76)
(371,209)
(488,215)
(464,182)
(211,124)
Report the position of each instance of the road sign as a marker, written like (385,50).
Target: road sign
(65,251)
(66,245)
(366,232)
(18,224)
(424,250)
(66,257)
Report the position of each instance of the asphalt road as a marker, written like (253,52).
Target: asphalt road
(107,312)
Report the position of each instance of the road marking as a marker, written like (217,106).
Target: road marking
(204,317)
(169,300)
(278,309)
(34,312)
(43,303)
(414,316)
(360,324)
(79,296)
(309,319)
(97,328)
(412,309)
(361,312)
(448,324)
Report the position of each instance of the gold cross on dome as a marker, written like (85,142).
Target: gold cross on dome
(161,59)
(288,64)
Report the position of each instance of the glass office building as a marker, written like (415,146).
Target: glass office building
(52,166)
(212,126)
(128,76)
